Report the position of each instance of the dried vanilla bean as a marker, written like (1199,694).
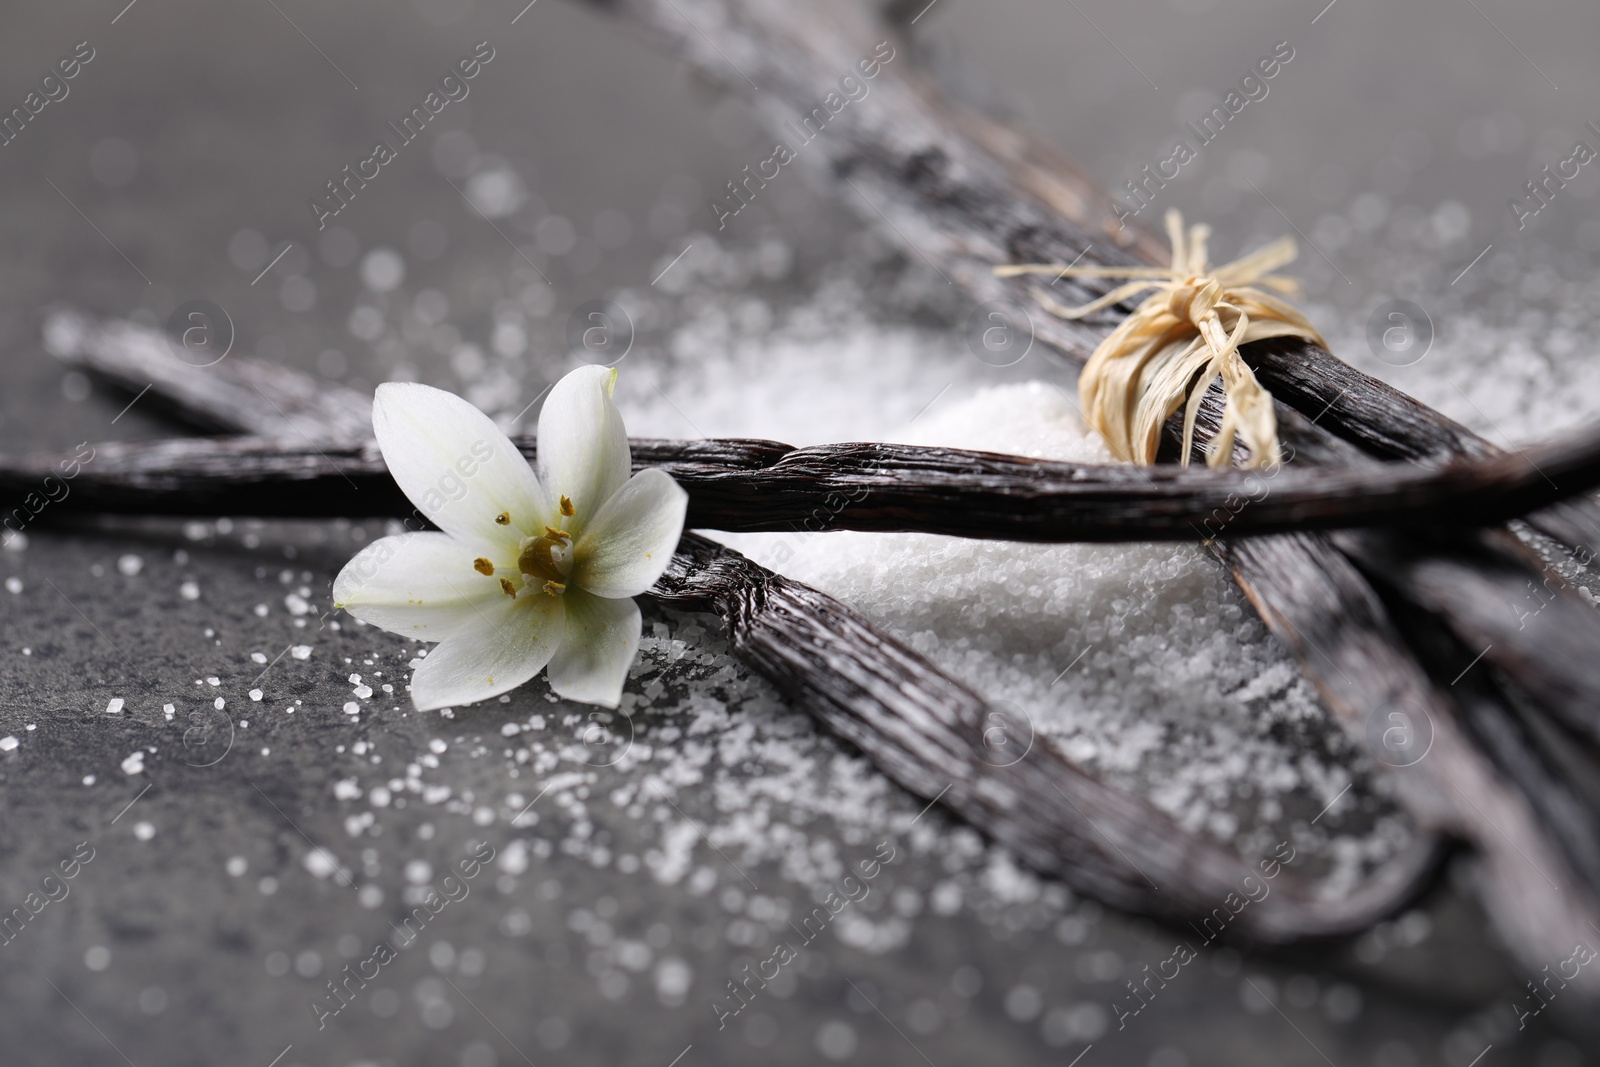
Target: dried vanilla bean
(764,486)
(925,731)
(206,386)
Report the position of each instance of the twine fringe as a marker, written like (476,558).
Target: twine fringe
(1185,334)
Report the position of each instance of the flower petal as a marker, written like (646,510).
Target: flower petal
(456,465)
(596,650)
(506,644)
(583,448)
(631,541)
(416,584)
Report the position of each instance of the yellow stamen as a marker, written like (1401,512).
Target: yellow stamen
(483,567)
(504,518)
(566,507)
(554,588)
(510,590)
(560,535)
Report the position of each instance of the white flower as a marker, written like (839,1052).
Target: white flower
(530,569)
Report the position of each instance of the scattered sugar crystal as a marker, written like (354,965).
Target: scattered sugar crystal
(189,590)
(261,610)
(219,703)
(319,862)
(258,657)
(297,604)
(255,694)
(362,692)
(300,651)
(134,764)
(8,743)
(130,564)
(144,831)
(13,585)
(237,865)
(168,711)
(88,779)
(352,708)
(114,706)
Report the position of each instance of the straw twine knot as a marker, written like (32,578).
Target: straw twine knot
(1178,340)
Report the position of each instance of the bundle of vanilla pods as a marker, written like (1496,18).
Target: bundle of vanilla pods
(1378,555)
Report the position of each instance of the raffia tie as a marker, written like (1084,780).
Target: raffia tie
(1183,336)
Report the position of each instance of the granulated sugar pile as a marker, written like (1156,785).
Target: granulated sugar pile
(1143,663)
(1140,661)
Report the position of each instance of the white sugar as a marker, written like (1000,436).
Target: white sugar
(319,863)
(1142,662)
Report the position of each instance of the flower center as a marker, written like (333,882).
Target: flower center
(547,557)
